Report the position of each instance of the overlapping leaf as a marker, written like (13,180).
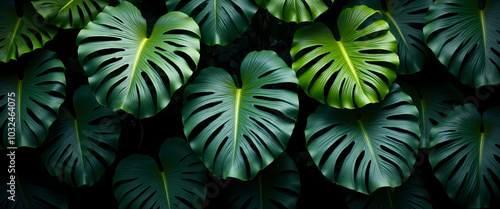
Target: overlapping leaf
(406,19)
(69,13)
(35,99)
(364,152)
(466,155)
(79,150)
(177,183)
(466,39)
(239,130)
(295,10)
(352,72)
(132,71)
(221,21)
(21,34)
(277,186)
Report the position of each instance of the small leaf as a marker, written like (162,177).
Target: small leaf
(69,13)
(20,35)
(295,10)
(178,182)
(277,186)
(79,150)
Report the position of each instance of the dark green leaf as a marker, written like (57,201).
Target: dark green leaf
(69,13)
(295,10)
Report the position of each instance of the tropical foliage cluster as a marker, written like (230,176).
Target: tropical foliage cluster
(250,103)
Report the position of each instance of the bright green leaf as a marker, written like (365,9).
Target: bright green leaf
(352,72)
(239,131)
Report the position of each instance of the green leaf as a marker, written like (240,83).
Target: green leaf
(352,72)
(20,35)
(36,100)
(466,39)
(277,186)
(69,13)
(239,131)
(364,151)
(221,21)
(178,182)
(466,154)
(132,71)
(33,189)
(295,10)
(433,99)
(79,150)
(411,194)
(406,19)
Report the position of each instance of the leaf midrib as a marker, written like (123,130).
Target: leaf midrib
(236,119)
(166,188)
(14,33)
(349,63)
(367,140)
(134,69)
(483,26)
(64,7)
(398,29)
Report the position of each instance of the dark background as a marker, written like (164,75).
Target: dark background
(145,136)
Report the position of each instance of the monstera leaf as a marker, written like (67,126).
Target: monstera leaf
(364,151)
(411,194)
(353,71)
(69,13)
(221,21)
(466,156)
(434,100)
(35,99)
(277,186)
(406,19)
(130,71)
(465,38)
(295,10)
(33,189)
(178,183)
(239,130)
(20,35)
(79,150)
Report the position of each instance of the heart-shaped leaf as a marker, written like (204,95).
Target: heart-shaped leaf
(35,99)
(177,183)
(406,19)
(352,72)
(132,71)
(295,10)
(411,194)
(221,21)
(465,156)
(277,186)
(237,131)
(364,151)
(20,35)
(466,39)
(69,13)
(79,150)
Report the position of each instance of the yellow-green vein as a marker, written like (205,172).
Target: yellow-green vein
(78,140)
(236,119)
(398,29)
(481,143)
(368,143)
(349,63)
(166,188)
(14,33)
(134,68)
(483,25)
(66,5)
